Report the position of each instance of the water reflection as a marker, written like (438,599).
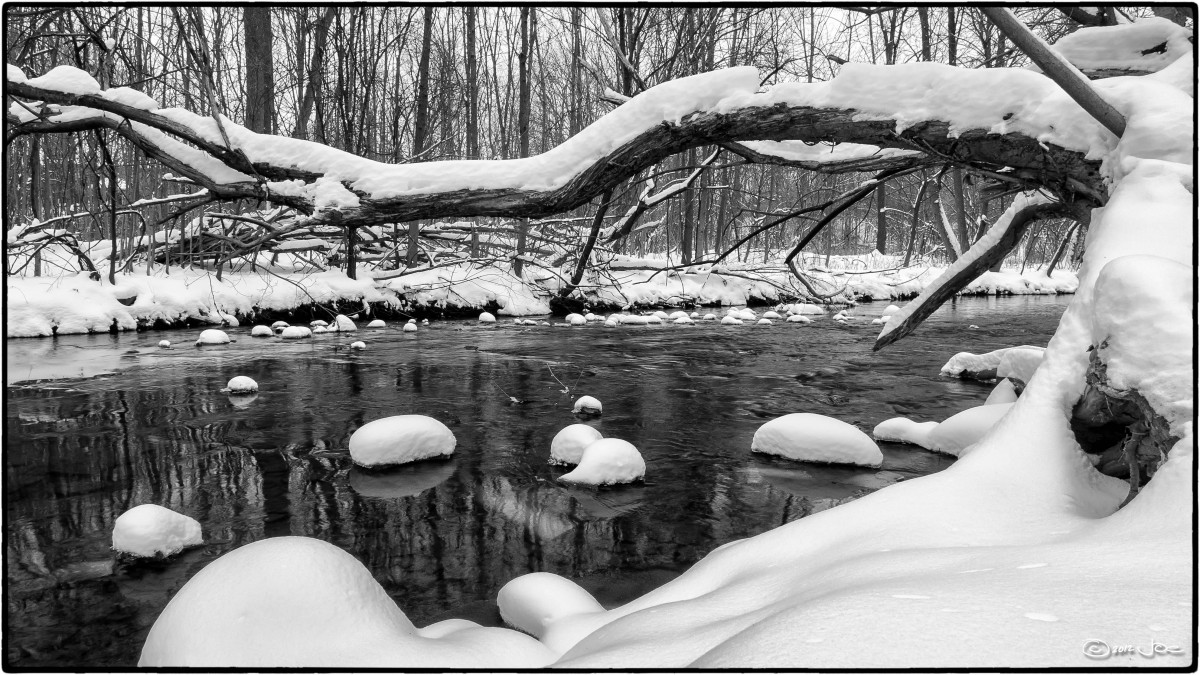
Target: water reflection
(443,537)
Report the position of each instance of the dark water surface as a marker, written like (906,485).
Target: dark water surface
(443,536)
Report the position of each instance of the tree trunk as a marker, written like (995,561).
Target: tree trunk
(472,149)
(316,65)
(421,125)
(260,69)
(524,63)
(881,218)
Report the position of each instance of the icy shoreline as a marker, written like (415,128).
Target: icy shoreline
(75,304)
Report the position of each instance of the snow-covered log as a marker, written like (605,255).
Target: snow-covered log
(1008,120)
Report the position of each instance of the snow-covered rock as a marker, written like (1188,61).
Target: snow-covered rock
(212,336)
(318,323)
(904,430)
(808,437)
(633,320)
(684,321)
(979,366)
(576,319)
(424,322)
(674,316)
(304,603)
(661,314)
(1003,392)
(377,323)
(709,317)
(164,343)
(296,333)
(410,328)
(798,318)
(608,461)
(400,439)
(592,317)
(890,310)
(279,325)
(344,324)
(588,405)
(359,344)
(568,444)
(742,314)
(149,530)
(535,602)
(242,385)
(229,320)
(959,432)
(487,317)
(612,323)
(322,329)
(771,314)
(654,319)
(730,321)
(1019,363)
(765,322)
(262,331)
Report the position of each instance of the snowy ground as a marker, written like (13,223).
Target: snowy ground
(43,306)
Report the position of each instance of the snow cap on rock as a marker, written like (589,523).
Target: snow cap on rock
(212,336)
(343,323)
(318,322)
(242,385)
(588,405)
(164,343)
(261,331)
(808,437)
(296,333)
(358,345)
(608,461)
(377,323)
(730,321)
(400,439)
(278,325)
(959,432)
(904,430)
(576,319)
(487,317)
(533,602)
(410,328)
(568,445)
(149,530)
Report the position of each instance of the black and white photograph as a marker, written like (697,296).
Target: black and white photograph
(682,336)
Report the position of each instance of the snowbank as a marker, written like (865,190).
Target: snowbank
(400,439)
(301,602)
(807,437)
(149,530)
(962,430)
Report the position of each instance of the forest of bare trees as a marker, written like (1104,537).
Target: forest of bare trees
(419,84)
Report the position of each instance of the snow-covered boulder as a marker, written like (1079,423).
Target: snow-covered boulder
(1003,392)
(634,320)
(904,430)
(694,315)
(798,318)
(805,308)
(400,439)
(709,317)
(890,310)
(978,366)
(279,325)
(487,317)
(1019,363)
(730,321)
(535,602)
(684,321)
(588,405)
(262,331)
(242,385)
(612,323)
(959,432)
(742,314)
(377,323)
(322,329)
(575,319)
(164,343)
(212,336)
(808,437)
(358,345)
(661,314)
(881,320)
(592,317)
(318,322)
(229,320)
(568,444)
(149,530)
(410,328)
(654,319)
(344,324)
(770,314)
(675,316)
(424,322)
(608,461)
(296,333)
(765,322)
(300,602)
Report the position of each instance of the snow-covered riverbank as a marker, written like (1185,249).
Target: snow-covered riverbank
(44,306)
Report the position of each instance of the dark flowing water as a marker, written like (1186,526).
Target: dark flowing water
(442,536)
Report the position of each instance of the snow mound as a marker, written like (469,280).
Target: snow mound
(67,79)
(904,430)
(675,316)
(344,324)
(1003,392)
(588,405)
(242,385)
(653,319)
(149,530)
(608,461)
(487,317)
(890,310)
(262,331)
(535,602)
(803,308)
(1019,363)
(765,322)
(212,336)
(164,343)
(798,318)
(296,333)
(304,603)
(808,437)
(771,315)
(410,328)
(358,345)
(959,432)
(684,321)
(576,319)
(633,320)
(377,323)
(279,325)
(978,366)
(730,321)
(568,444)
(317,323)
(661,314)
(400,439)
